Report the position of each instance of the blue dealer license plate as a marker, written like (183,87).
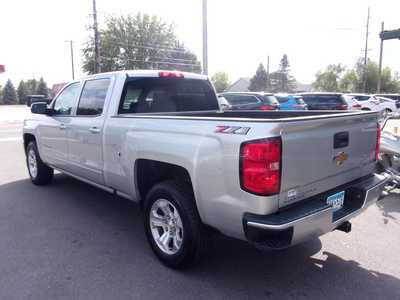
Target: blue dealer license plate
(336,200)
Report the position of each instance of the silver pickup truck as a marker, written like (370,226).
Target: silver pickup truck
(159,138)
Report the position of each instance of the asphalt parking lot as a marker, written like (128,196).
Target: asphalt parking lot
(72,241)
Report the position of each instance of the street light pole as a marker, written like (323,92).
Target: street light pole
(380,62)
(71,43)
(205,39)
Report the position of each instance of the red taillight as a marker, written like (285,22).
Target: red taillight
(171,74)
(268,107)
(343,107)
(260,166)
(378,142)
(299,106)
(357,106)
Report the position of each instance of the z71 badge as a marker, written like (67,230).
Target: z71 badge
(232,130)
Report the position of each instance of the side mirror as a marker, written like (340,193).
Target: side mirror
(39,108)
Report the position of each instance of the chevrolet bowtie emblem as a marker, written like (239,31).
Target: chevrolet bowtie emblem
(340,158)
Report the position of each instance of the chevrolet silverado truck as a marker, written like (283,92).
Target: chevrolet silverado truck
(159,138)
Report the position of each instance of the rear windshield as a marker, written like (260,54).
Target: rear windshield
(157,95)
(299,100)
(362,98)
(327,99)
(270,99)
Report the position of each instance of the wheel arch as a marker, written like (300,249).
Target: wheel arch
(148,172)
(28,137)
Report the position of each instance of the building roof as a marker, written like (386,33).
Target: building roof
(240,85)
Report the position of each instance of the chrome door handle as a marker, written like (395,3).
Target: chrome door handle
(94,130)
(63,126)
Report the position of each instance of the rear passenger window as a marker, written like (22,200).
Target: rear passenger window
(93,96)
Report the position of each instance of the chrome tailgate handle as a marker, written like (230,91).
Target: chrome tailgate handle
(62,126)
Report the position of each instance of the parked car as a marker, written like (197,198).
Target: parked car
(251,101)
(395,97)
(325,101)
(158,138)
(352,103)
(368,102)
(391,96)
(30,99)
(291,102)
(389,105)
(223,103)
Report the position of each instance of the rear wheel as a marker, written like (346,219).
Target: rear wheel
(39,172)
(173,226)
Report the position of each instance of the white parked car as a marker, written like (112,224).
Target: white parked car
(352,103)
(367,102)
(389,105)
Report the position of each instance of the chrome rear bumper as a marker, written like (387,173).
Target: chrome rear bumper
(313,217)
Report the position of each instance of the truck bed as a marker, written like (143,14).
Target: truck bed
(255,116)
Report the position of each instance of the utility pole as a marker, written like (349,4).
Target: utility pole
(205,39)
(97,68)
(366,53)
(268,78)
(380,62)
(71,43)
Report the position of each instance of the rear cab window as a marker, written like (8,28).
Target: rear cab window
(163,95)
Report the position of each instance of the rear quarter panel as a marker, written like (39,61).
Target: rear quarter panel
(211,159)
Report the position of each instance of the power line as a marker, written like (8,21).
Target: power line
(153,47)
(155,62)
(167,58)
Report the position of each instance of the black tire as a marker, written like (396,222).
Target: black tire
(44,174)
(194,234)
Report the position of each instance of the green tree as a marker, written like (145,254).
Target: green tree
(328,80)
(42,88)
(220,81)
(139,42)
(31,86)
(349,81)
(22,92)
(281,80)
(259,82)
(9,93)
(390,83)
(370,74)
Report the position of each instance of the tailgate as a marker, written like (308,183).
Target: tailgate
(320,154)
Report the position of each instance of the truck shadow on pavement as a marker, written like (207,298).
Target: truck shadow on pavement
(69,240)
